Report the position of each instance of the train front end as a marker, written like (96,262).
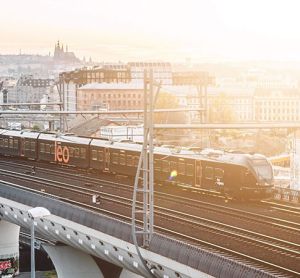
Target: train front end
(262,182)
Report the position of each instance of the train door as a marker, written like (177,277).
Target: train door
(106,159)
(22,146)
(198,173)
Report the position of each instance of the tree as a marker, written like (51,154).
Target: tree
(221,110)
(164,101)
(36,128)
(168,101)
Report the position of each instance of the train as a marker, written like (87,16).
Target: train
(231,174)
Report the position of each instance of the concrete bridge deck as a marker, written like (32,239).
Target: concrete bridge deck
(110,239)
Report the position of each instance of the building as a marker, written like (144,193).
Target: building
(71,81)
(30,90)
(232,104)
(271,105)
(119,133)
(64,56)
(113,96)
(162,71)
(121,87)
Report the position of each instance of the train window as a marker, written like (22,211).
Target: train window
(76,152)
(71,152)
(83,153)
(6,143)
(27,145)
(129,160)
(100,155)
(181,168)
(47,148)
(1,142)
(166,166)
(16,143)
(94,155)
(115,158)
(11,143)
(42,147)
(122,159)
(209,173)
(52,149)
(136,161)
(32,146)
(173,166)
(219,173)
(157,165)
(190,170)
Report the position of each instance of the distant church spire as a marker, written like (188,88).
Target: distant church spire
(64,56)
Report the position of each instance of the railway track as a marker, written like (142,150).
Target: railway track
(83,180)
(282,207)
(63,171)
(247,237)
(276,270)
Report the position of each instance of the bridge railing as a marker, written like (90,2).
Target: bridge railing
(286,194)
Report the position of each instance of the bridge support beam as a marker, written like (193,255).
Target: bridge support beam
(72,263)
(9,241)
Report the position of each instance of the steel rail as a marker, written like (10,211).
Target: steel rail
(269,241)
(281,223)
(235,255)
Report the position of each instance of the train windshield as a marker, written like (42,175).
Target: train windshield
(263,169)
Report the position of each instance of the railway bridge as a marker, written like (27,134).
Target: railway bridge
(76,236)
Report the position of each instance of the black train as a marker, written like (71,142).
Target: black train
(237,175)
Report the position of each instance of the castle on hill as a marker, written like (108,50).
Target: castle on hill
(64,56)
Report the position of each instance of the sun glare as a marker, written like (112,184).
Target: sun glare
(178,29)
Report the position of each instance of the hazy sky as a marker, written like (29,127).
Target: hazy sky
(112,30)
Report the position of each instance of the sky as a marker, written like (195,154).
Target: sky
(173,30)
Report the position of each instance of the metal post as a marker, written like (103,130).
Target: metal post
(151,161)
(32,250)
(145,164)
(145,173)
(206,108)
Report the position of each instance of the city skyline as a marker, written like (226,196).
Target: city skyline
(152,30)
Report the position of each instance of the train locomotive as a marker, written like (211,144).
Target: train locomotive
(237,175)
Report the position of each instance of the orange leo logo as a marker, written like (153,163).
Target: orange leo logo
(61,154)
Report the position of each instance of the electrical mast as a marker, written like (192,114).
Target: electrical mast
(143,184)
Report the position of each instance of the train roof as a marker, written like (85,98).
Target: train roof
(116,145)
(20,133)
(206,154)
(194,153)
(65,138)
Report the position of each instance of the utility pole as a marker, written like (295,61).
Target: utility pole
(145,176)
(61,105)
(144,179)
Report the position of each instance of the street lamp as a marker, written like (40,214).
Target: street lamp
(37,212)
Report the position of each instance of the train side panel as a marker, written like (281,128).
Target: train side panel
(9,145)
(68,150)
(123,161)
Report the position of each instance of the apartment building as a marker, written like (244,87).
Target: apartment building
(276,105)
(113,96)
